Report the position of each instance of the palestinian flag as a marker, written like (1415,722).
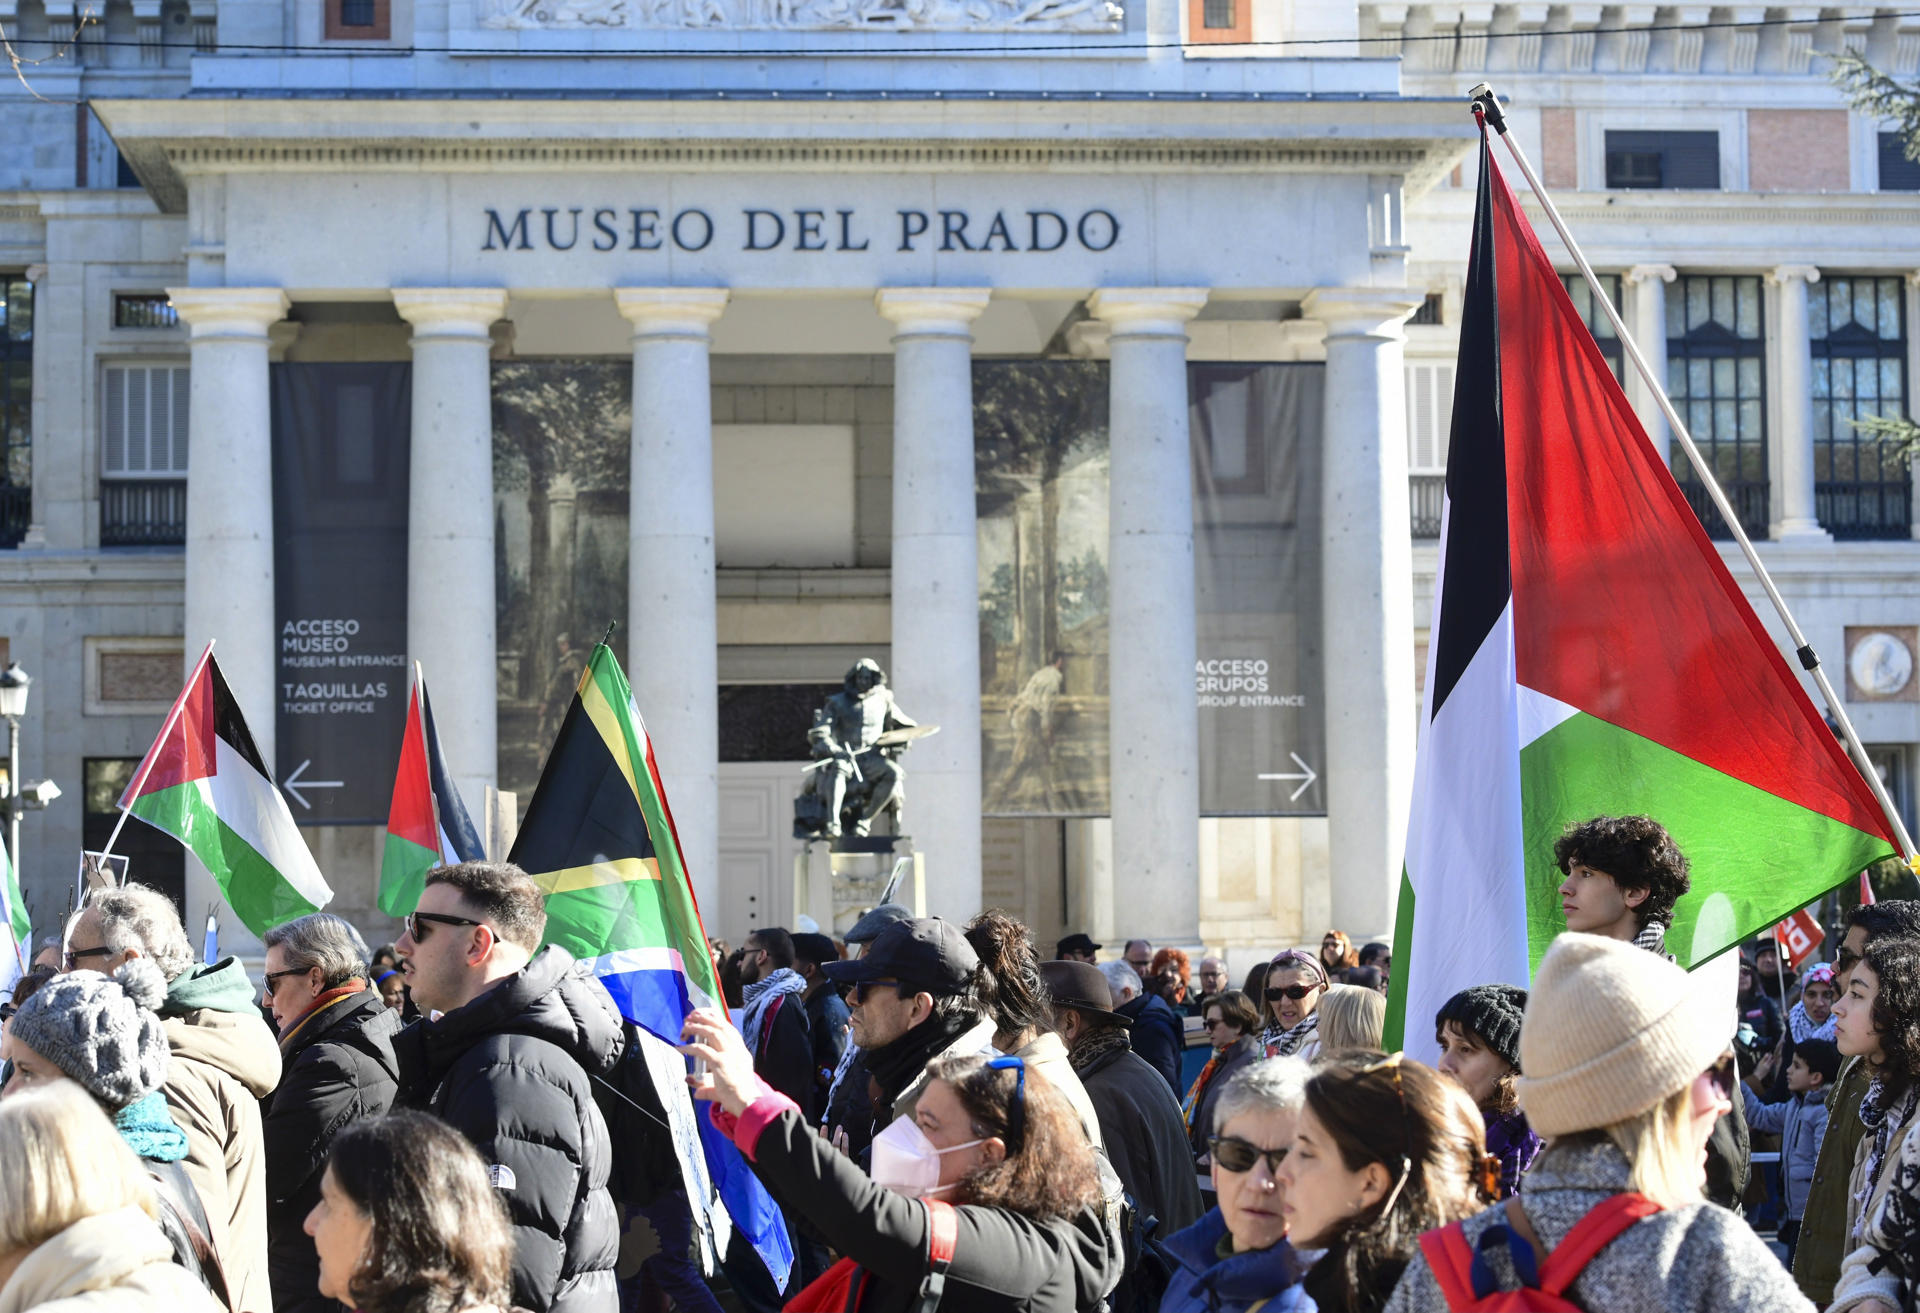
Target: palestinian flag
(203,782)
(599,840)
(16,952)
(1591,655)
(427,825)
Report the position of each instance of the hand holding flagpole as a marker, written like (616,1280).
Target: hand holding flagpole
(1487,108)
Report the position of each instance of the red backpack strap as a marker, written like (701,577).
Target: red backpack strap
(943,1229)
(1450,1259)
(1592,1233)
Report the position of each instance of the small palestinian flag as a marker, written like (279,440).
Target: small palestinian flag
(1591,655)
(204,783)
(427,825)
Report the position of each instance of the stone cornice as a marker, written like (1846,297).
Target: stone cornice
(166,143)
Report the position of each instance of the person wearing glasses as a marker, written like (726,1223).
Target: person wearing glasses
(514,1037)
(1878,1021)
(991,1157)
(1295,984)
(336,1037)
(1231,1022)
(223,1059)
(1823,1233)
(1626,1065)
(1237,1256)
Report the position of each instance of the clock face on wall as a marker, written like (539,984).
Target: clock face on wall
(1879,665)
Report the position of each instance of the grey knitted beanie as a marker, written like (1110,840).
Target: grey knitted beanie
(101,1031)
(1492,1012)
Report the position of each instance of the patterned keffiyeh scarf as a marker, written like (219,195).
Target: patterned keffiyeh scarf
(1284,1043)
(1803,1028)
(1884,1122)
(760,996)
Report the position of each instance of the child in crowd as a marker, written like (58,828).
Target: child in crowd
(1801,1123)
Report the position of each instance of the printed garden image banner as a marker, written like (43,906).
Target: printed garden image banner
(1041,485)
(561,481)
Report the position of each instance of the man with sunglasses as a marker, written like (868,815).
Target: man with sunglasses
(915,995)
(514,1036)
(1823,1229)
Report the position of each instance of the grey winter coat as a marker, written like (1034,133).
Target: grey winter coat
(1801,1123)
(1696,1257)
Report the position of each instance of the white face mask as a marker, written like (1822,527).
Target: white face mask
(907,1162)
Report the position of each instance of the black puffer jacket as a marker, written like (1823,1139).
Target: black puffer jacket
(512,1072)
(338,1068)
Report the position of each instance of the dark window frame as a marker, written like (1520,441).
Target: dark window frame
(1896,171)
(129,308)
(1856,507)
(16,408)
(1695,354)
(1662,160)
(378,28)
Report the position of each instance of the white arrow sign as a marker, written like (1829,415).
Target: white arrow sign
(1306,780)
(293,784)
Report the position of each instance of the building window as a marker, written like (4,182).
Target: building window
(144,310)
(1219,13)
(1863,484)
(1429,420)
(1897,172)
(359,20)
(1689,160)
(153,858)
(1595,318)
(143,456)
(1716,377)
(16,408)
(1219,21)
(1430,310)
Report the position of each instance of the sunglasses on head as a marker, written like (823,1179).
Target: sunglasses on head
(1295,992)
(1234,1154)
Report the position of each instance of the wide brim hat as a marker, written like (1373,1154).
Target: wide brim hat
(1082,987)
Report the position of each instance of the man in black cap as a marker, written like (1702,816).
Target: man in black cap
(826,1011)
(849,1106)
(918,993)
(1076,948)
(1145,1135)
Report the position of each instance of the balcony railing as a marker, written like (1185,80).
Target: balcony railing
(1749,498)
(1426,492)
(1864,510)
(143,513)
(16,510)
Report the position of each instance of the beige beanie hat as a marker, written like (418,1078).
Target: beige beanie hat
(1610,1030)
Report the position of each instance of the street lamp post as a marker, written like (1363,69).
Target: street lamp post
(14,683)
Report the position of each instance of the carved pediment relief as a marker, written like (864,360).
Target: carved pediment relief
(809,15)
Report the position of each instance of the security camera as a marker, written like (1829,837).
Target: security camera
(39,793)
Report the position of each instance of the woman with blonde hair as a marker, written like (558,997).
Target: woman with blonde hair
(1352,1017)
(79,1227)
(1625,1069)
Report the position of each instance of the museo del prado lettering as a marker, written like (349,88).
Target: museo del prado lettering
(568,228)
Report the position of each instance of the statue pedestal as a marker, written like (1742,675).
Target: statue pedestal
(834,888)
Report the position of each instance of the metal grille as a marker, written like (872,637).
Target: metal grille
(1716,376)
(1595,318)
(144,310)
(1863,485)
(1217,14)
(143,513)
(16,408)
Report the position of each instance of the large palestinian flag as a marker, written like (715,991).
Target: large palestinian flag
(599,840)
(427,824)
(1591,655)
(203,782)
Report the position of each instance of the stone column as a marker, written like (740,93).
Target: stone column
(1154,720)
(1648,318)
(450,593)
(936,581)
(229,565)
(1372,708)
(1799,521)
(672,633)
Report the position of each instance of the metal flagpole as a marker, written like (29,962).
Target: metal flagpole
(1488,106)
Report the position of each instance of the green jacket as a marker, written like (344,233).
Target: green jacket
(1823,1231)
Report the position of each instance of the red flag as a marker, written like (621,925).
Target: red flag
(1798,936)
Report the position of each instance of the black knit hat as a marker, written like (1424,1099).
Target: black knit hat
(1493,1013)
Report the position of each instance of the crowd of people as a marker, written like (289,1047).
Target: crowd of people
(947,1117)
